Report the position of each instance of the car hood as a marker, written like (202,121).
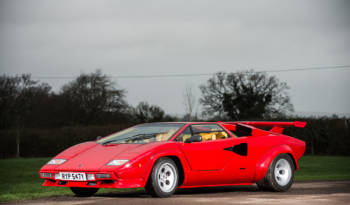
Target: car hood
(95,157)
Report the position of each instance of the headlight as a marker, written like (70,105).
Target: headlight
(117,162)
(56,161)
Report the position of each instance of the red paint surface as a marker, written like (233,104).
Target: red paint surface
(204,163)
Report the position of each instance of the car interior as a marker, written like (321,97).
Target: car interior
(165,136)
(208,132)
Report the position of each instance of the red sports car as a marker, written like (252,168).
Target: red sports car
(162,157)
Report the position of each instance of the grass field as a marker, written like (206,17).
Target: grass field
(19,178)
(323,168)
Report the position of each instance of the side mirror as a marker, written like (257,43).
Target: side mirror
(194,138)
(98,137)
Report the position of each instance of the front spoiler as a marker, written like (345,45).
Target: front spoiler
(112,182)
(120,183)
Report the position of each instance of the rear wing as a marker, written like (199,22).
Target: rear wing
(275,124)
(277,127)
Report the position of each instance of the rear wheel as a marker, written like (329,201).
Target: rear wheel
(280,175)
(163,179)
(83,192)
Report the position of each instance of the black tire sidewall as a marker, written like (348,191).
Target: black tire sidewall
(154,180)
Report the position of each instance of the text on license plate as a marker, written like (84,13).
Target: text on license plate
(72,176)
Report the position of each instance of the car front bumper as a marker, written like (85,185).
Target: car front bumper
(112,182)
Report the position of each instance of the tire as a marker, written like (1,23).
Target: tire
(164,178)
(83,192)
(280,175)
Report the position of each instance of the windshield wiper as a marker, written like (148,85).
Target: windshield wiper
(116,140)
(135,137)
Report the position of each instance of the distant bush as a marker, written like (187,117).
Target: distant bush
(37,142)
(323,136)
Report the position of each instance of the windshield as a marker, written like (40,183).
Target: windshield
(144,133)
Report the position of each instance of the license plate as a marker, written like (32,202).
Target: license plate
(71,176)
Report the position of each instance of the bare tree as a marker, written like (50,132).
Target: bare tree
(189,101)
(91,95)
(19,95)
(145,112)
(245,95)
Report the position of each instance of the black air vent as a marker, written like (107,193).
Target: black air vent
(241,149)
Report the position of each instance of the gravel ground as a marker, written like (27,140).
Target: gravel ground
(311,193)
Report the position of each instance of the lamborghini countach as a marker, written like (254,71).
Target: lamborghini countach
(162,157)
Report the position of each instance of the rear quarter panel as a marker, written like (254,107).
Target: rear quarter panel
(263,149)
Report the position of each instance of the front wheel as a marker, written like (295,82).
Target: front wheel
(280,175)
(83,192)
(163,179)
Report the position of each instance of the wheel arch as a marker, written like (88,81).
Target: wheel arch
(176,156)
(295,162)
(180,169)
(264,162)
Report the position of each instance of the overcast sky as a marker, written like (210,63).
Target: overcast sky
(66,38)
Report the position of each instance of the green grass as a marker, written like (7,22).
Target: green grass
(323,168)
(19,179)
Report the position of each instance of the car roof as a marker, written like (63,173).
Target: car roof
(184,122)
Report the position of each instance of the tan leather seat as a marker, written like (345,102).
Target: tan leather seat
(208,136)
(165,137)
(185,137)
(213,136)
(221,135)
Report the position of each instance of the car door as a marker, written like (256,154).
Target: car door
(240,168)
(209,154)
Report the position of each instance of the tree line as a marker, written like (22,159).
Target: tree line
(90,99)
(36,121)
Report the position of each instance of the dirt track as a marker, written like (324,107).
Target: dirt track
(309,193)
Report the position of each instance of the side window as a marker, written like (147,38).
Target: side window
(209,132)
(184,135)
